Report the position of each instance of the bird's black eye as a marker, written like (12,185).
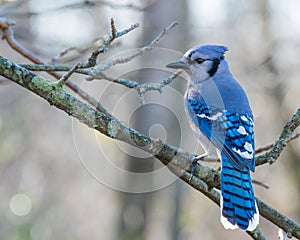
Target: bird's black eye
(200,60)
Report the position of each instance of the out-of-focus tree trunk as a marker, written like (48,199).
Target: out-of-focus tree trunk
(154,223)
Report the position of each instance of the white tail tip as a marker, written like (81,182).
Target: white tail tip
(252,223)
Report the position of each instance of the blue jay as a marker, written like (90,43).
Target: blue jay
(222,120)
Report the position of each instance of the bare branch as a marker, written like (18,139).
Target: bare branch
(209,192)
(92,60)
(113,28)
(143,88)
(75,52)
(140,51)
(8,35)
(115,129)
(268,147)
(280,144)
(94,74)
(97,71)
(258,183)
(53,68)
(289,226)
(65,77)
(62,53)
(260,160)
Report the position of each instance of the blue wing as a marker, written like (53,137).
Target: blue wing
(231,133)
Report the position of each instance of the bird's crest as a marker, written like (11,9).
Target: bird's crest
(211,51)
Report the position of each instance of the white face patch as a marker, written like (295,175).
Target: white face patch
(213,117)
(187,53)
(193,54)
(242,130)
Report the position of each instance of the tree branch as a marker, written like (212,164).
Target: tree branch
(92,60)
(140,51)
(8,35)
(97,72)
(65,77)
(209,192)
(272,155)
(270,146)
(140,87)
(177,161)
(289,226)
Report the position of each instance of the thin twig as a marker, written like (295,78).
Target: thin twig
(94,74)
(92,60)
(65,77)
(258,183)
(268,147)
(113,29)
(272,155)
(8,35)
(289,226)
(140,51)
(97,71)
(143,88)
(62,53)
(78,52)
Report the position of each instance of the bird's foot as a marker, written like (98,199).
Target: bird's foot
(195,164)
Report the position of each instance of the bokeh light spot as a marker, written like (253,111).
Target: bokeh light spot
(20,204)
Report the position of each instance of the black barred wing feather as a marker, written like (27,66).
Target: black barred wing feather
(231,133)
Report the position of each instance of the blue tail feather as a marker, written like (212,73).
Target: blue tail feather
(238,202)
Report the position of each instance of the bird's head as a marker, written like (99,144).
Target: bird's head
(200,62)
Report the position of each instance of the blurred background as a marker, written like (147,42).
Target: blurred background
(61,180)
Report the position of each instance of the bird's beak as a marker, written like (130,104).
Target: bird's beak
(179,64)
